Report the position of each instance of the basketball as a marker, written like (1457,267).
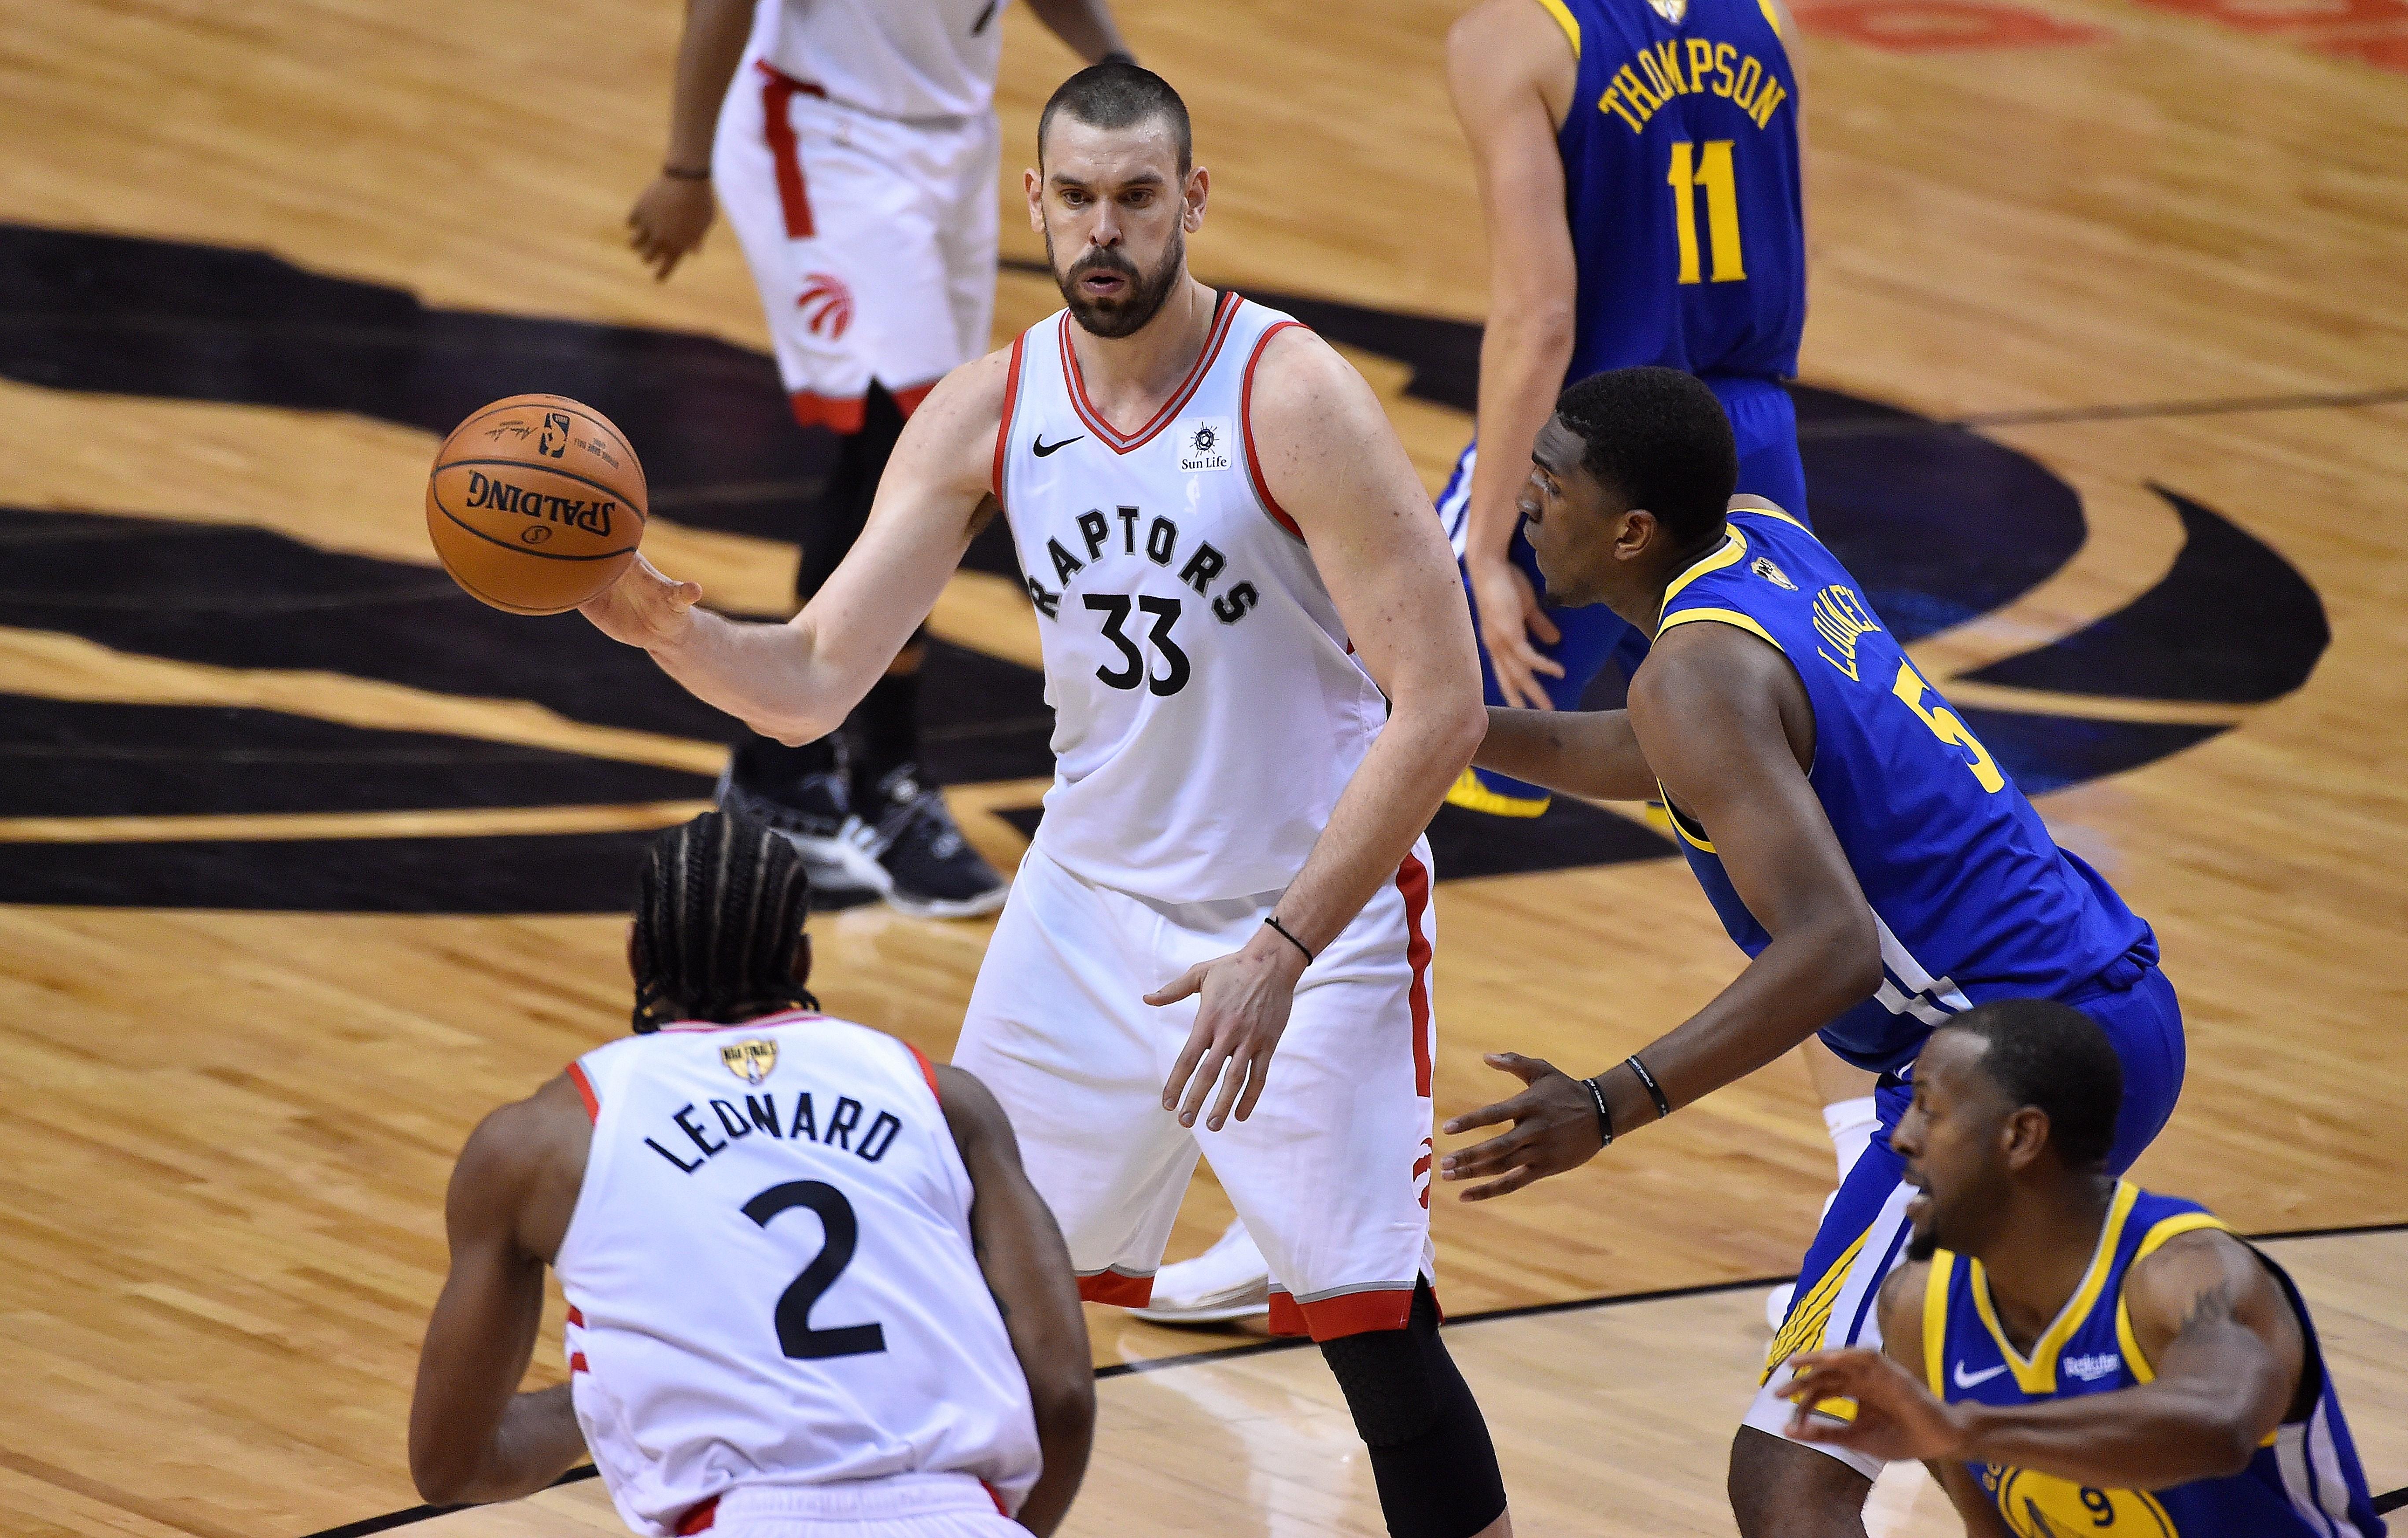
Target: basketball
(536,503)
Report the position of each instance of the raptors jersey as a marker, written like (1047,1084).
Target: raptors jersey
(908,59)
(1207,710)
(769,1275)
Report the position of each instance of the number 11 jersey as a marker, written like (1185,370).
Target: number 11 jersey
(1207,710)
(769,1273)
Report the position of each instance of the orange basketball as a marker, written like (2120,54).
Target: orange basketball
(536,503)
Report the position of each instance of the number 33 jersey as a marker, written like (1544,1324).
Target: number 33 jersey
(1207,710)
(769,1275)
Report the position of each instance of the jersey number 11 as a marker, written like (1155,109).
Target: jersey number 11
(1707,167)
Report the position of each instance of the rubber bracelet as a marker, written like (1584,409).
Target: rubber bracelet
(1272,920)
(1654,1090)
(1604,1116)
(678,172)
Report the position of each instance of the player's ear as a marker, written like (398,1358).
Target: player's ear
(1199,186)
(1033,184)
(2022,1137)
(1634,533)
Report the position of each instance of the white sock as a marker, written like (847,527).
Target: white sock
(1850,1124)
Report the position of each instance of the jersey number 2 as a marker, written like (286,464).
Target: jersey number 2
(1707,167)
(795,1336)
(1114,607)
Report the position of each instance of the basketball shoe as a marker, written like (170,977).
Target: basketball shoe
(925,867)
(1229,1281)
(814,812)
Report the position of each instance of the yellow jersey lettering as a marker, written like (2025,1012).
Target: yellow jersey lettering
(1668,60)
(1841,620)
(1750,76)
(1723,54)
(1766,100)
(1947,727)
(1701,63)
(1653,68)
(1611,102)
(1637,94)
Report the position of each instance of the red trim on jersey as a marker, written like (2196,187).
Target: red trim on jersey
(794,198)
(1111,1287)
(928,1071)
(996,1496)
(813,409)
(1223,312)
(783,1017)
(585,1092)
(1348,1314)
(577,1363)
(1412,880)
(576,1316)
(1246,431)
(1011,402)
(700,1519)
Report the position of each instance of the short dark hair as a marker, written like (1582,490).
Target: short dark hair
(1118,93)
(718,908)
(1660,437)
(2049,1055)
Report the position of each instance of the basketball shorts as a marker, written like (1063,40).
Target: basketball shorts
(1864,1232)
(908,1505)
(1331,1172)
(1765,424)
(872,240)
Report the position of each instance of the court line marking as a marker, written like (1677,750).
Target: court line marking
(584,1472)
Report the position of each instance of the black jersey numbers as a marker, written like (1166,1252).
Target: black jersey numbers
(843,1231)
(1134,669)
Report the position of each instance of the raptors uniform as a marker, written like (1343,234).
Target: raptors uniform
(856,158)
(774,1313)
(1208,714)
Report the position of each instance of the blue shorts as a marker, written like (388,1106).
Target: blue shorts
(1765,424)
(1864,1233)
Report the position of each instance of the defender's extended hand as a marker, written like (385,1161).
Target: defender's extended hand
(1897,1417)
(1509,615)
(669,221)
(644,608)
(1554,1130)
(1245,999)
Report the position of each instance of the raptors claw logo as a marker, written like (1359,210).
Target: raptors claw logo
(827,305)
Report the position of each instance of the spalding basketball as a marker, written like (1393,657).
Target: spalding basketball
(536,503)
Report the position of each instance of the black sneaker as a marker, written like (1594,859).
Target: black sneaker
(931,871)
(816,814)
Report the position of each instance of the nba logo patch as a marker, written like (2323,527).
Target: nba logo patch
(1762,566)
(750,1061)
(1204,444)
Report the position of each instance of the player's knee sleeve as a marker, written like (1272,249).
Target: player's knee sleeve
(1431,1458)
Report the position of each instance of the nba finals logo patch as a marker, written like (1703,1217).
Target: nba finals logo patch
(1762,566)
(1671,10)
(750,1061)
(1205,446)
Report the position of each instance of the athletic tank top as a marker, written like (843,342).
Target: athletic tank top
(1207,708)
(2304,1482)
(896,58)
(1681,182)
(769,1276)
(1971,896)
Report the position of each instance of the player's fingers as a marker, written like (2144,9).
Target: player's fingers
(1258,1068)
(1241,1066)
(1189,1056)
(1540,625)
(1192,1103)
(1488,1115)
(1505,1186)
(1187,982)
(1494,1156)
(1528,1069)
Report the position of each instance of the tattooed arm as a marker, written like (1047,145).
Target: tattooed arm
(2208,1316)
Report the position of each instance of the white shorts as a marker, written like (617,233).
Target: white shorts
(910,1506)
(872,240)
(1331,1172)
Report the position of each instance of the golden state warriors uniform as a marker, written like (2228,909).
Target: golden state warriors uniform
(1681,187)
(1970,896)
(2304,1482)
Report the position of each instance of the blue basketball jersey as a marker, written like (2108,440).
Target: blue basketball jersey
(1681,179)
(1972,898)
(2304,1481)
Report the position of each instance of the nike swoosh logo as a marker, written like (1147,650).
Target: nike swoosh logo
(1044,449)
(1964,1380)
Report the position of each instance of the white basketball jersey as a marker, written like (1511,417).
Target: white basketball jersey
(769,1272)
(1208,709)
(896,58)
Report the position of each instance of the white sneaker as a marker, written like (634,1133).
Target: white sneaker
(1229,1281)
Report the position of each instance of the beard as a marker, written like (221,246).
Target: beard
(1922,1244)
(1129,313)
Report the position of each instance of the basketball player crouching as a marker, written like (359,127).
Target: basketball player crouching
(1262,675)
(903,1355)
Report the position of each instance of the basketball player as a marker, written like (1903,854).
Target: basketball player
(1854,836)
(2071,1353)
(854,145)
(1262,678)
(904,1355)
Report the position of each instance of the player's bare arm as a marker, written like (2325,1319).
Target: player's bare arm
(668,220)
(1725,724)
(1332,461)
(1027,1267)
(1578,752)
(2228,1354)
(1511,72)
(796,681)
(1085,27)
(473,1436)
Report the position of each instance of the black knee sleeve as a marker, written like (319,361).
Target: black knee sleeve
(1431,1458)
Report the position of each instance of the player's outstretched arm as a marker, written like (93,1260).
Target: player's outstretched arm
(2228,1354)
(472,1437)
(1578,752)
(1333,464)
(1027,1267)
(796,682)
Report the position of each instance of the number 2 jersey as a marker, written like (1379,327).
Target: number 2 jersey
(1973,897)
(769,1275)
(2304,1482)
(1207,710)
(1680,183)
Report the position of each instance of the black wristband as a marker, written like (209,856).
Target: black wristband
(1272,920)
(679,173)
(1604,1116)
(1654,1090)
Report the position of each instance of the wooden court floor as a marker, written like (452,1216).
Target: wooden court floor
(2155,255)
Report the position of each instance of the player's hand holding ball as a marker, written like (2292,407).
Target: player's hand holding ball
(1554,1130)
(643,608)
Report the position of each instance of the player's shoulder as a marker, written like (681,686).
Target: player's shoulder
(1296,380)
(1501,38)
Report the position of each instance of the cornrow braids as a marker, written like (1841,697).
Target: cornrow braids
(718,906)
